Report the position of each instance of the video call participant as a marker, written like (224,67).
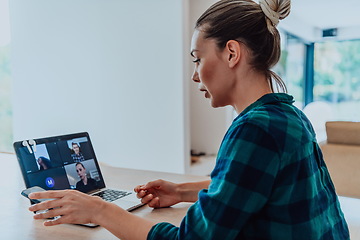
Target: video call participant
(44,163)
(77,155)
(85,184)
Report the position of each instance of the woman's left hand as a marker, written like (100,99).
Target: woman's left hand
(72,206)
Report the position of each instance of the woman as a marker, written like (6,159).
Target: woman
(44,163)
(270,181)
(85,184)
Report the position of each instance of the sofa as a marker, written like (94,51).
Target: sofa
(341,153)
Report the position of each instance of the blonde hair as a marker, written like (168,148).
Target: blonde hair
(252,24)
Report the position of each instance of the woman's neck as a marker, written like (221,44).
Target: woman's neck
(251,86)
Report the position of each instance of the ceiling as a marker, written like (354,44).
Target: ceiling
(327,13)
(308,19)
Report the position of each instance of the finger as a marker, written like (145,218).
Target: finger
(48,194)
(147,198)
(45,205)
(154,203)
(141,194)
(55,221)
(49,214)
(138,188)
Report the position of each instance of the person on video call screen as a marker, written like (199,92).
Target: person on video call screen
(77,155)
(86,184)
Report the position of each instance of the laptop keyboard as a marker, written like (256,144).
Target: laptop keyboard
(111,195)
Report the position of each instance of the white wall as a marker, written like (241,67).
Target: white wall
(4,23)
(112,68)
(207,125)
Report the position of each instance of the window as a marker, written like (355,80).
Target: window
(337,77)
(6,136)
(335,71)
(291,66)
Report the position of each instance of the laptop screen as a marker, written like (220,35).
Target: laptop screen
(60,162)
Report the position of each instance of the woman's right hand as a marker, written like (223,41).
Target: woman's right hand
(158,193)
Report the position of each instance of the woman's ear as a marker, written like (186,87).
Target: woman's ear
(233,51)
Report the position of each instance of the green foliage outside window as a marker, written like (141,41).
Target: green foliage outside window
(337,77)
(337,71)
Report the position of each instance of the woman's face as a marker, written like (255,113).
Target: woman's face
(76,149)
(40,161)
(211,70)
(81,171)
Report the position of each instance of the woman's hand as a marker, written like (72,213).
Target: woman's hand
(73,207)
(158,193)
(161,193)
(79,208)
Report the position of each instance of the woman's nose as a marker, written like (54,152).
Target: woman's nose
(195,77)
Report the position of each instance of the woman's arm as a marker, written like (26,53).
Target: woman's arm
(161,193)
(123,224)
(79,208)
(189,191)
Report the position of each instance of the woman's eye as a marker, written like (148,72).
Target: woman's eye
(196,60)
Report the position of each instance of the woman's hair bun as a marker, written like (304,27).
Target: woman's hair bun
(275,10)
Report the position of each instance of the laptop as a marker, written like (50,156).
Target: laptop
(68,162)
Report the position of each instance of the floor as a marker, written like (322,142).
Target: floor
(203,166)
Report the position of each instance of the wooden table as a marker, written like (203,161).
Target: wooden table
(16,222)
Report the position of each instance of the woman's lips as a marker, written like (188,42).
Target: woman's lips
(207,95)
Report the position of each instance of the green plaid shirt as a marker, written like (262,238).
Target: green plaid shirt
(269,182)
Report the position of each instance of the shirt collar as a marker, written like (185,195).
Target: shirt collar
(268,99)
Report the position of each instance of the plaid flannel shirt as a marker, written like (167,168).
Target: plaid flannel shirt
(269,182)
(77,158)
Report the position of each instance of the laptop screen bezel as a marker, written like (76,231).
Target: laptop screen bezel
(46,140)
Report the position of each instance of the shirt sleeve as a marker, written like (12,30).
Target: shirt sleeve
(245,171)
